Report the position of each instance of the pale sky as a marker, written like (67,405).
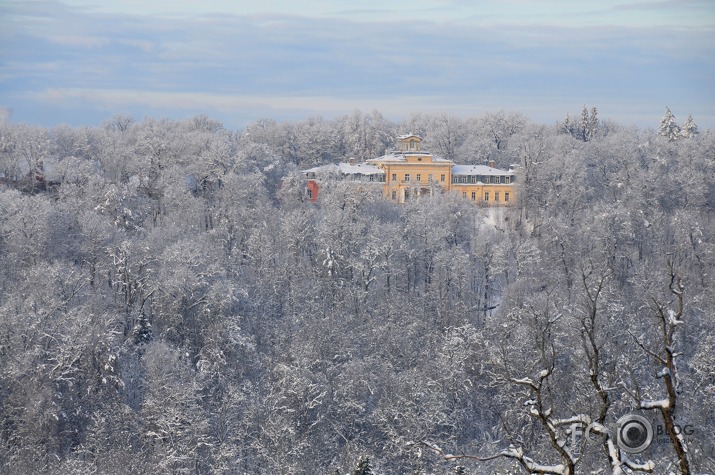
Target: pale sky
(79,61)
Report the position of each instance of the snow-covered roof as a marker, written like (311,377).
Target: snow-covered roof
(346,169)
(330,168)
(359,168)
(398,156)
(478,170)
(407,136)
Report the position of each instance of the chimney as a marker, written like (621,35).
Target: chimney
(492,164)
(351,161)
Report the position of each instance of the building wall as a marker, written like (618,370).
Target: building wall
(488,194)
(398,188)
(312,190)
(413,174)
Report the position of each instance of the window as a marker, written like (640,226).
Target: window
(394,195)
(506,196)
(419,177)
(309,192)
(407,177)
(412,144)
(496,196)
(486,196)
(474,195)
(394,177)
(464,194)
(441,178)
(429,177)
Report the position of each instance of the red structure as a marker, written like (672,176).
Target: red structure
(312,190)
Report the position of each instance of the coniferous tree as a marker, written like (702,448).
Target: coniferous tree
(567,126)
(363,467)
(583,125)
(142,332)
(593,123)
(668,127)
(689,128)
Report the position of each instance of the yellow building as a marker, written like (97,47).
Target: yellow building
(484,183)
(410,172)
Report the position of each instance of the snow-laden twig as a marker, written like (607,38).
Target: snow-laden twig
(660,404)
(516,453)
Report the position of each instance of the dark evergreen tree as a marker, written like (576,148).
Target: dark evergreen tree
(142,332)
(363,467)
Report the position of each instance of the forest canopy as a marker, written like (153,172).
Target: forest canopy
(171,302)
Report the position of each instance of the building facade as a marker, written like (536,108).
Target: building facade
(410,172)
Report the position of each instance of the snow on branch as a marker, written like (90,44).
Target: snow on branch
(525,382)
(516,453)
(584,419)
(661,404)
(647,467)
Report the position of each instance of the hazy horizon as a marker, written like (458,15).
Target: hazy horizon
(69,61)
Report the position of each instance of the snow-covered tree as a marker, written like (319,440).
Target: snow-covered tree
(689,129)
(173,303)
(668,127)
(593,123)
(584,125)
(567,126)
(363,467)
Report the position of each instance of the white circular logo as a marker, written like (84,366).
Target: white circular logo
(634,433)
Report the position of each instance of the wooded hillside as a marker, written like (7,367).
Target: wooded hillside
(171,303)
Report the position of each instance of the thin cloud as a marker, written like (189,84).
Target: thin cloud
(283,63)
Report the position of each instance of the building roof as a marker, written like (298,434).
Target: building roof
(347,169)
(479,170)
(359,168)
(330,168)
(398,156)
(407,136)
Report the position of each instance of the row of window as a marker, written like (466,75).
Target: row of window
(484,179)
(497,196)
(418,177)
(360,177)
(309,192)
